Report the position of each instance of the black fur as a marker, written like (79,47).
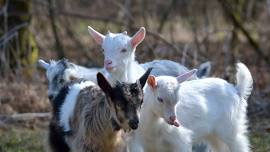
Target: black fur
(56,134)
(56,138)
(60,98)
(144,77)
(115,125)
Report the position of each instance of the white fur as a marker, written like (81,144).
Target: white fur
(156,135)
(244,81)
(82,72)
(166,67)
(125,67)
(66,110)
(213,109)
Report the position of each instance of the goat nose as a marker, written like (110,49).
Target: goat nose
(50,97)
(134,123)
(172,118)
(108,62)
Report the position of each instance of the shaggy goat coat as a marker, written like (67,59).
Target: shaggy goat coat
(82,111)
(85,118)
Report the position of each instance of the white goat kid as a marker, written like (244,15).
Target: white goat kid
(212,108)
(157,135)
(119,57)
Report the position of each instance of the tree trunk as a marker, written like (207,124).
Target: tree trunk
(18,48)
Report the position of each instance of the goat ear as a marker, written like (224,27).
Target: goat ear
(104,84)
(144,77)
(98,37)
(43,64)
(186,75)
(138,37)
(151,81)
(204,69)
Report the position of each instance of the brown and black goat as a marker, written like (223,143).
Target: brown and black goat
(92,117)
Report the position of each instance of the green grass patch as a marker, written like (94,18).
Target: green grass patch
(25,140)
(15,140)
(260,142)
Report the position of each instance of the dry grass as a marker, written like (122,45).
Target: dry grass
(21,97)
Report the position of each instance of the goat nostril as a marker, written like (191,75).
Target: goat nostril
(172,118)
(50,97)
(108,62)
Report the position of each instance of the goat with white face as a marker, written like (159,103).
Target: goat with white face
(119,54)
(158,134)
(212,108)
(119,57)
(89,119)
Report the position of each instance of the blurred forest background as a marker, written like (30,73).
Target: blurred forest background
(186,31)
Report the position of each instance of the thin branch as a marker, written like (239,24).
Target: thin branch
(184,54)
(237,23)
(195,34)
(226,49)
(8,35)
(58,44)
(127,14)
(126,8)
(159,37)
(24,119)
(116,22)
(24,116)
(268,7)
(119,23)
(143,11)
(87,17)
(165,15)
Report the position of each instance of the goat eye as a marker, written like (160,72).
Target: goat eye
(123,50)
(160,99)
(61,81)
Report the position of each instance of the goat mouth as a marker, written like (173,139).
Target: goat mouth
(127,130)
(109,68)
(173,123)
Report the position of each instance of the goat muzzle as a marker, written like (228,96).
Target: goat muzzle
(133,124)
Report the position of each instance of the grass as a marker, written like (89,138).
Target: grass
(25,140)
(22,140)
(260,142)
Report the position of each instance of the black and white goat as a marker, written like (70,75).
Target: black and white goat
(90,117)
